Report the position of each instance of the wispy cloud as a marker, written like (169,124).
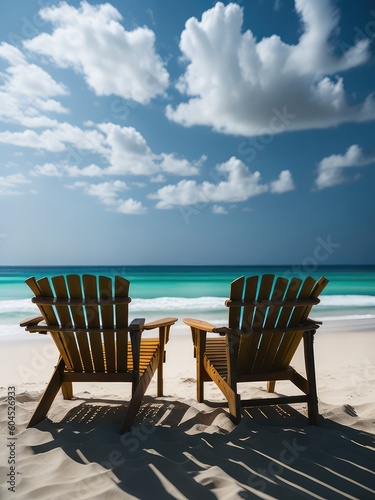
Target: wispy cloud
(9,184)
(334,169)
(27,91)
(109,194)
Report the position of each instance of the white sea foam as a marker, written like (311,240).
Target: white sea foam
(349,317)
(178,303)
(347,300)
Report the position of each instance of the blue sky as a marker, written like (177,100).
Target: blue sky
(200,132)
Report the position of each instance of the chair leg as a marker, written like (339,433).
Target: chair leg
(271,385)
(160,375)
(163,337)
(312,405)
(136,400)
(67,390)
(234,405)
(200,386)
(200,349)
(49,395)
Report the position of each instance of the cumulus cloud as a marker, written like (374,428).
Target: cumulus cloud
(27,91)
(108,193)
(170,162)
(332,169)
(91,40)
(219,210)
(238,184)
(283,184)
(235,83)
(124,150)
(128,150)
(131,206)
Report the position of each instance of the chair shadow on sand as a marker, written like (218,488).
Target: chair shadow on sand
(176,450)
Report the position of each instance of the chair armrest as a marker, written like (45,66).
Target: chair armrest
(137,325)
(314,322)
(204,326)
(33,325)
(164,325)
(160,323)
(31,321)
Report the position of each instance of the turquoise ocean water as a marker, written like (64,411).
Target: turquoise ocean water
(194,291)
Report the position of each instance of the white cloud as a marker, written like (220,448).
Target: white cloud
(129,153)
(331,168)
(48,170)
(128,150)
(56,139)
(219,210)
(131,206)
(284,183)
(237,84)
(27,91)
(124,150)
(91,40)
(9,184)
(59,170)
(157,179)
(172,164)
(108,193)
(239,184)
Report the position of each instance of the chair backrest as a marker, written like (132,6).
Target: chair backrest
(88,319)
(265,310)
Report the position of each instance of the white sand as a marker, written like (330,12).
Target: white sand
(181,449)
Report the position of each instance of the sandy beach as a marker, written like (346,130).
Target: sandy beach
(179,448)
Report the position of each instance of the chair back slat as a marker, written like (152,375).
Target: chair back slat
(273,312)
(249,295)
(42,287)
(106,313)
(236,291)
(285,313)
(264,292)
(121,290)
(93,321)
(78,316)
(64,319)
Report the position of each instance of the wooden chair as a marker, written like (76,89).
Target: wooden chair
(268,317)
(88,320)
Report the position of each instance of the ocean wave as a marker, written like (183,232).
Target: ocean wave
(348,317)
(347,301)
(25,306)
